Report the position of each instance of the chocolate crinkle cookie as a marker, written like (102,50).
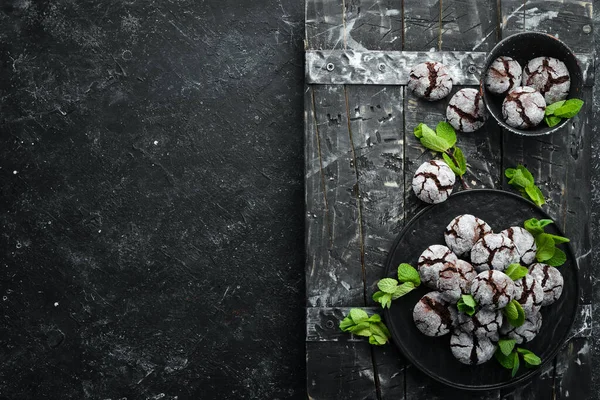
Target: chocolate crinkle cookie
(466,110)
(526,332)
(463,232)
(529,293)
(454,280)
(503,75)
(471,349)
(549,76)
(492,289)
(431,261)
(551,281)
(493,251)
(484,323)
(433,181)
(430,81)
(433,315)
(523,107)
(524,243)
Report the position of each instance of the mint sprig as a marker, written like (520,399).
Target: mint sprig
(509,356)
(522,179)
(546,243)
(560,110)
(359,323)
(443,140)
(392,289)
(516,271)
(514,313)
(467,304)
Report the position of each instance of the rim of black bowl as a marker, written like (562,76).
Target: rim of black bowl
(492,56)
(513,381)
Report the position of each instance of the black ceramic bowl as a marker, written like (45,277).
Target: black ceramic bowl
(432,355)
(524,47)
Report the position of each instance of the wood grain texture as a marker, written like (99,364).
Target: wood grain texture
(572,380)
(422,25)
(373,24)
(469,25)
(324,24)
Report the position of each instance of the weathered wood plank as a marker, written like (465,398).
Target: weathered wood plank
(387,67)
(338,370)
(560,163)
(568,20)
(376,116)
(334,271)
(373,24)
(324,24)
(469,25)
(422,25)
(533,389)
(512,17)
(573,369)
(322,324)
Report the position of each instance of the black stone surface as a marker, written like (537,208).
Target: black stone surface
(151,207)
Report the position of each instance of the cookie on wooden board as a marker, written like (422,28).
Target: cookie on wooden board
(430,81)
(433,181)
(466,110)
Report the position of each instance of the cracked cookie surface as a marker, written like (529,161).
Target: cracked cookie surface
(493,251)
(492,289)
(503,75)
(523,107)
(466,110)
(433,315)
(549,76)
(430,81)
(433,181)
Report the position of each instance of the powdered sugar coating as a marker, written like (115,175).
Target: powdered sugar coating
(526,332)
(454,280)
(524,243)
(549,76)
(523,107)
(463,232)
(430,81)
(431,261)
(551,281)
(466,111)
(492,289)
(493,251)
(433,181)
(433,315)
(484,322)
(529,293)
(503,75)
(470,349)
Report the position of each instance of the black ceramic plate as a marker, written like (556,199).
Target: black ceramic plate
(432,355)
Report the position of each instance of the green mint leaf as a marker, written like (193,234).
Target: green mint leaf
(558,259)
(519,180)
(469,300)
(511,312)
(418,131)
(516,365)
(373,341)
(507,362)
(462,161)
(376,330)
(533,226)
(516,271)
(380,339)
(434,142)
(545,222)
(358,315)
(531,360)
(558,239)
(446,132)
(545,247)
(535,194)
(552,107)
(346,323)
(374,318)
(384,329)
(403,289)
(359,328)
(552,120)
(451,164)
(407,273)
(506,346)
(387,285)
(510,172)
(386,300)
(521,314)
(377,296)
(569,109)
(526,173)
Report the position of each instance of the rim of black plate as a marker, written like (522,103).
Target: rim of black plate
(513,381)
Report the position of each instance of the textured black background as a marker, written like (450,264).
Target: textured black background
(152,199)
(151,213)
